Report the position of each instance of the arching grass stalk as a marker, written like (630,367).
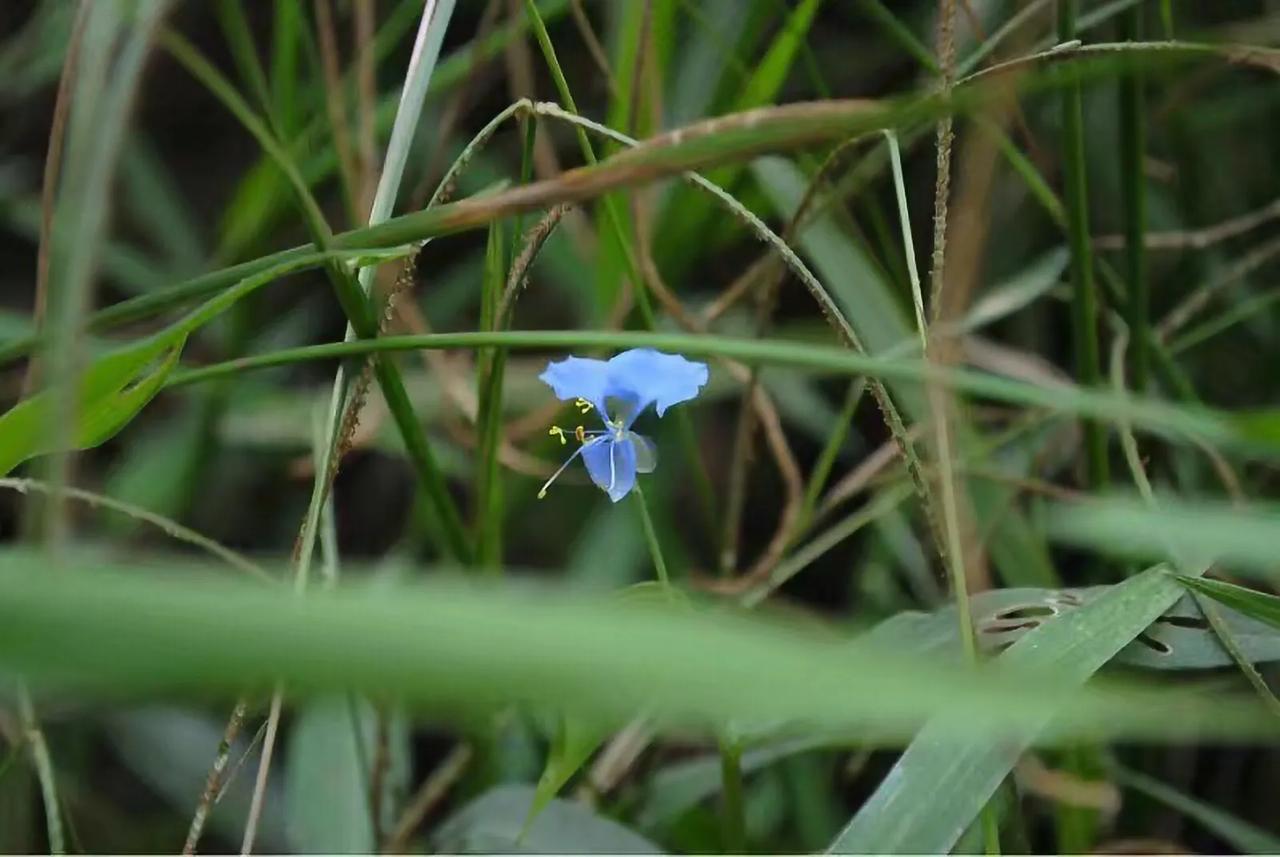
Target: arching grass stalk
(1215,426)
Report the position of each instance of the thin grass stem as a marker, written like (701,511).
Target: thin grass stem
(43,764)
(651,538)
(1084,304)
(1132,154)
(734,818)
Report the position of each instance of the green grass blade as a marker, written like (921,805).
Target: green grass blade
(1232,830)
(1223,428)
(1241,539)
(686,219)
(1133,145)
(1084,304)
(900,33)
(1259,605)
(101,629)
(489,377)
(1227,638)
(235,29)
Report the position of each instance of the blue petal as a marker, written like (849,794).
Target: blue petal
(645,376)
(578,377)
(646,452)
(612,465)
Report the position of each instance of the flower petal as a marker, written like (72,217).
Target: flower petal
(643,375)
(578,377)
(646,452)
(612,465)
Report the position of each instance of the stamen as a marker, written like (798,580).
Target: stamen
(542,492)
(583,405)
(581,434)
(556,431)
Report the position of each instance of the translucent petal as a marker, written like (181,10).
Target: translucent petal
(646,452)
(578,378)
(646,376)
(612,465)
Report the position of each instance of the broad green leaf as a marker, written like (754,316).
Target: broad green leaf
(328,805)
(492,823)
(1235,831)
(109,394)
(939,784)
(471,647)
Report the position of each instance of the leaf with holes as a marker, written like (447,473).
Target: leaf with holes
(108,395)
(940,783)
(1180,639)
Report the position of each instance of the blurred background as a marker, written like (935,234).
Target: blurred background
(233,460)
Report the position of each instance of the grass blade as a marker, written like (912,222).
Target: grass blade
(103,629)
(1242,539)
(1226,429)
(1259,605)
(1084,304)
(1234,831)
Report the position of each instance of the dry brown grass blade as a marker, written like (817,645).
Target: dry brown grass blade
(49,185)
(1199,239)
(521,75)
(429,794)
(335,100)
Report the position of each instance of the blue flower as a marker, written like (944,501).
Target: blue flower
(620,389)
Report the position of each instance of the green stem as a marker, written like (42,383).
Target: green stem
(1166,18)
(651,536)
(1085,310)
(734,819)
(491,367)
(43,764)
(1205,423)
(899,32)
(827,458)
(1132,147)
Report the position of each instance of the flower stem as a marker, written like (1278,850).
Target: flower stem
(734,818)
(651,536)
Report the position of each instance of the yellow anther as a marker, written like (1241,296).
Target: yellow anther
(581,434)
(556,431)
(583,405)
(542,495)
